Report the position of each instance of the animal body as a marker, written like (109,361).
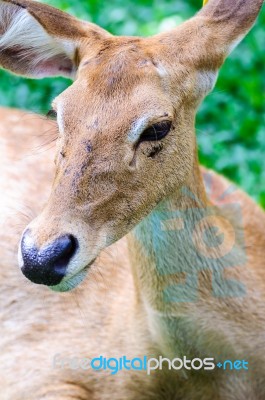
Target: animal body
(165,259)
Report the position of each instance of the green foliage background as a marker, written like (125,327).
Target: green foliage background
(231,122)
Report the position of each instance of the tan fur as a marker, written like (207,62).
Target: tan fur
(103,188)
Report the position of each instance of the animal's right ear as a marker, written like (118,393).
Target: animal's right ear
(37,40)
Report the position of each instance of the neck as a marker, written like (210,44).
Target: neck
(178,257)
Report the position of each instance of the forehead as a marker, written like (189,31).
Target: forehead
(117,67)
(123,75)
(119,55)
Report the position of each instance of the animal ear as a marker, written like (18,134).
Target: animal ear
(37,40)
(208,38)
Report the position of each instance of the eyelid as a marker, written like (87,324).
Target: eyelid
(164,118)
(143,123)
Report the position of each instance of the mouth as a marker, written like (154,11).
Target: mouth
(71,282)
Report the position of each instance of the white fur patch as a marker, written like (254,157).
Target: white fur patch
(60,120)
(235,43)
(20,30)
(137,129)
(161,70)
(206,81)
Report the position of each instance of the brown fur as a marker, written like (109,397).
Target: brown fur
(103,187)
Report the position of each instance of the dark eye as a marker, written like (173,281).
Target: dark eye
(52,114)
(156,132)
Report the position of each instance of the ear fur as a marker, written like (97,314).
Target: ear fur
(37,40)
(208,38)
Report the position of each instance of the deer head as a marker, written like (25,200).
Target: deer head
(125,127)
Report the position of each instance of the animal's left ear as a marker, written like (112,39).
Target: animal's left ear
(209,37)
(37,40)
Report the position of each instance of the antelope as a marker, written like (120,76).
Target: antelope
(166,259)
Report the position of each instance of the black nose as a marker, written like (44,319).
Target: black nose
(48,265)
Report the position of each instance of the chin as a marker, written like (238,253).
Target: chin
(70,283)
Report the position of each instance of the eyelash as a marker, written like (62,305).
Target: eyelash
(156,132)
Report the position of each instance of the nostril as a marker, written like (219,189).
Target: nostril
(63,250)
(47,265)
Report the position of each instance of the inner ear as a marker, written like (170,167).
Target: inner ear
(35,63)
(38,40)
(27,48)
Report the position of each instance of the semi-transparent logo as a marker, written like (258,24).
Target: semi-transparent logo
(195,239)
